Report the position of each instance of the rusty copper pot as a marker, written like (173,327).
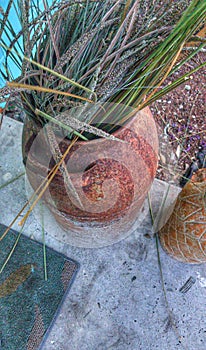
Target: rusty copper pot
(111,178)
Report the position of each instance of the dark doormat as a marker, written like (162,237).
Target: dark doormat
(28,303)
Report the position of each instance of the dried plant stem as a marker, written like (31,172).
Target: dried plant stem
(11,251)
(171,318)
(27,203)
(13,221)
(57,155)
(62,77)
(53,173)
(43,89)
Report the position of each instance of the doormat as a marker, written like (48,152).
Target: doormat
(29,304)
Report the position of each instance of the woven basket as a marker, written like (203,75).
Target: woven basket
(184,234)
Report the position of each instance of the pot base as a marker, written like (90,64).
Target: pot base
(82,235)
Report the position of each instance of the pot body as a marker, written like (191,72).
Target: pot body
(184,234)
(108,179)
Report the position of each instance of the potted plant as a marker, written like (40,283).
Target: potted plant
(89,71)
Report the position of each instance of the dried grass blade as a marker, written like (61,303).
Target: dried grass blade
(13,221)
(57,155)
(170,315)
(26,204)
(53,173)
(72,82)
(11,252)
(43,89)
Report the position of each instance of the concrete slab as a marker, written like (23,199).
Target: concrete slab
(117,301)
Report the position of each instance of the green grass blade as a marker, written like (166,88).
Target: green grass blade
(12,180)
(44,245)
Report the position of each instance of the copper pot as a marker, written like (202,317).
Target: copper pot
(111,178)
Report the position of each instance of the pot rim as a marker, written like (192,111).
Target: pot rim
(116,133)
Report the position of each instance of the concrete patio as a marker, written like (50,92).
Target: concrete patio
(117,300)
